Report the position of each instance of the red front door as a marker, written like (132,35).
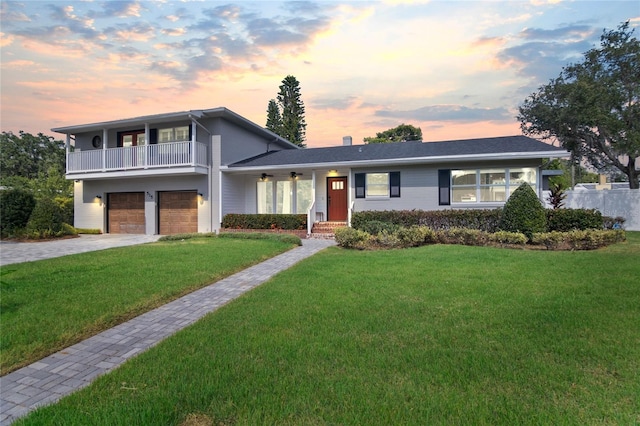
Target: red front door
(337,199)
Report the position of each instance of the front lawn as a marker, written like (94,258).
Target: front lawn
(48,305)
(432,335)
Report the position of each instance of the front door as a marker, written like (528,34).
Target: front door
(337,199)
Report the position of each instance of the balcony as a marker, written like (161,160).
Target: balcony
(143,160)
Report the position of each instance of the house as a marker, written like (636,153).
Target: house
(183,171)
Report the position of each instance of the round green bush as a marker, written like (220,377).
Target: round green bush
(16,206)
(46,219)
(523,212)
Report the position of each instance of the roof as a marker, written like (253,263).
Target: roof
(196,114)
(508,147)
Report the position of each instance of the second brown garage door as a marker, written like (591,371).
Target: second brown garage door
(126,213)
(178,212)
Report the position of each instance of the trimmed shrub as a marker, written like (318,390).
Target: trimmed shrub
(265,221)
(576,239)
(374,227)
(482,219)
(564,220)
(508,238)
(464,236)
(388,239)
(415,236)
(551,240)
(45,220)
(89,231)
(16,206)
(351,238)
(523,212)
(592,239)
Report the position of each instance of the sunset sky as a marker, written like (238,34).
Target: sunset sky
(456,69)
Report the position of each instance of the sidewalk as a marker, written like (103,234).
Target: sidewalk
(73,368)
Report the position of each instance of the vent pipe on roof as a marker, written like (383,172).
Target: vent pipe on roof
(346,141)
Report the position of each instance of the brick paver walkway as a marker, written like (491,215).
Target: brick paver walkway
(64,372)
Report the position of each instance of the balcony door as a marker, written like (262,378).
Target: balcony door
(133,138)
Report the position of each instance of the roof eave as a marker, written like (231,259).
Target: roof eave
(407,161)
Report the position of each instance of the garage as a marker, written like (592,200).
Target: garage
(126,213)
(177,212)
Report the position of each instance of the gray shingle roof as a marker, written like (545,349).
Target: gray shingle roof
(508,145)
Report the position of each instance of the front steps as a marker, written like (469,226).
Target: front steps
(325,230)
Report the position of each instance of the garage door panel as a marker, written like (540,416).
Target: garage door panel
(178,212)
(126,213)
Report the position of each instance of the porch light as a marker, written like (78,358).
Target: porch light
(263,176)
(200,194)
(294,175)
(99,197)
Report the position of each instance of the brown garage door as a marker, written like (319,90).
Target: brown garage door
(178,212)
(126,213)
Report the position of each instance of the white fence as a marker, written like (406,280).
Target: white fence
(613,203)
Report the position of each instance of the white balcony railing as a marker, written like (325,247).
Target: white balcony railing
(138,157)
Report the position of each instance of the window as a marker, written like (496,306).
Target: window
(377,185)
(284,196)
(486,185)
(265,197)
(174,134)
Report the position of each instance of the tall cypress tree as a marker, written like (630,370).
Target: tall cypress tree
(274,119)
(286,116)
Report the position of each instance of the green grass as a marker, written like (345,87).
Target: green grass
(50,304)
(432,335)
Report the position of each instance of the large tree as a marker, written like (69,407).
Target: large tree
(35,163)
(286,116)
(402,133)
(593,107)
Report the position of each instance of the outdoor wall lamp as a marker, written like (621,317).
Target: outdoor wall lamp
(263,176)
(200,194)
(293,175)
(99,197)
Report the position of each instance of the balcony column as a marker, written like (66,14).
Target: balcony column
(146,145)
(105,135)
(192,150)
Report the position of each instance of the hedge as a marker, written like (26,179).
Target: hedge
(564,220)
(481,219)
(265,221)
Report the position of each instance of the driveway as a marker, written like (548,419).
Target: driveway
(14,252)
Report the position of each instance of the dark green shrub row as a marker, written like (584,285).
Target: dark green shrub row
(265,221)
(484,220)
(564,220)
(16,206)
(415,236)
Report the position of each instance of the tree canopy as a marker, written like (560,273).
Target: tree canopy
(285,117)
(36,163)
(402,133)
(593,107)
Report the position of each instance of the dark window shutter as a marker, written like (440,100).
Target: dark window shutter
(444,185)
(394,184)
(190,132)
(360,183)
(153,136)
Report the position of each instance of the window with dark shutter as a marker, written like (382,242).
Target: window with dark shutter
(360,184)
(394,184)
(444,185)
